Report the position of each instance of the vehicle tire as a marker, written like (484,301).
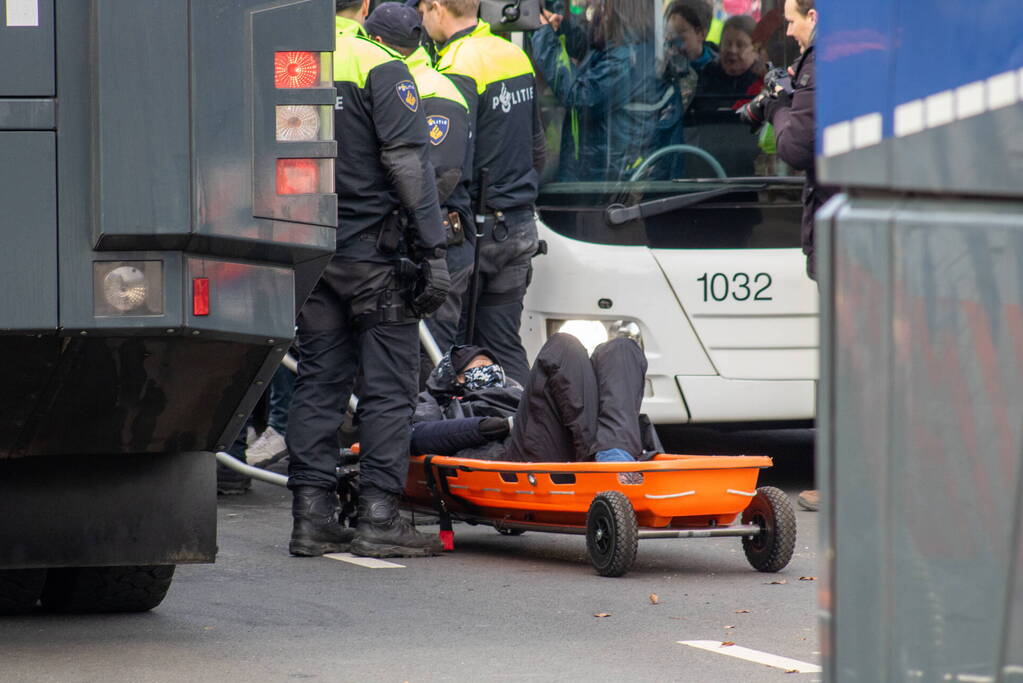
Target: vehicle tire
(771,550)
(511,532)
(611,533)
(106,589)
(20,589)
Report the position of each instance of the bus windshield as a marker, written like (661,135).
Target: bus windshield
(638,94)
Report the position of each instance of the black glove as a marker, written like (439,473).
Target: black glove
(433,286)
(494,428)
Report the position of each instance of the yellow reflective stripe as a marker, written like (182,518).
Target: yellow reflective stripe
(348,27)
(484,57)
(355,55)
(433,84)
(419,58)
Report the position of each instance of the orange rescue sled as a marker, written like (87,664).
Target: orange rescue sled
(615,504)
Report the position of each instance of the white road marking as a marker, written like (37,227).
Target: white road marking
(368,562)
(765,658)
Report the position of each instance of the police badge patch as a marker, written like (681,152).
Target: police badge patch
(408,95)
(437,127)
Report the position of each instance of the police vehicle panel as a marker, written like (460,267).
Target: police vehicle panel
(156,251)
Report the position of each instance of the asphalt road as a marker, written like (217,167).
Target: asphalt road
(498,608)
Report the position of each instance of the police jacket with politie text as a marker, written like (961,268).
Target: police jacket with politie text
(447,129)
(382,160)
(496,78)
(795,139)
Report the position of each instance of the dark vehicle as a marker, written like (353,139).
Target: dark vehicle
(166,178)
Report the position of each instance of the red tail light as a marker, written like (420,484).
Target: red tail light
(298,176)
(296,69)
(200,296)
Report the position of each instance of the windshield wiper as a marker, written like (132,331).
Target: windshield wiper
(618,214)
(740,180)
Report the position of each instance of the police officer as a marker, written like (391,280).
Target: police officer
(496,78)
(360,318)
(447,122)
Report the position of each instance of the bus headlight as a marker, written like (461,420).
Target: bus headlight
(628,329)
(593,333)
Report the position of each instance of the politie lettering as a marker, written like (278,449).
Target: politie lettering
(507,98)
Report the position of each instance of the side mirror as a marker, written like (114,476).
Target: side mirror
(505,16)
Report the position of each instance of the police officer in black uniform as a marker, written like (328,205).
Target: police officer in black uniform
(447,127)
(361,317)
(497,80)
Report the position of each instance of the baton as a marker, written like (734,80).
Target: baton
(474,290)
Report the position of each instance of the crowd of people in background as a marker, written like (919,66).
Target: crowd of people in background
(626,95)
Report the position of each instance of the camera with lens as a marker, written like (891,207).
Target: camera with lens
(777,83)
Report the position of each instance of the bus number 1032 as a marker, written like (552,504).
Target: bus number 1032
(740,286)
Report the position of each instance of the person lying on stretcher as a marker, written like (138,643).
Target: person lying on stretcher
(574,407)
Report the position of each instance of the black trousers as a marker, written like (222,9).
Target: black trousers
(575,405)
(507,248)
(331,354)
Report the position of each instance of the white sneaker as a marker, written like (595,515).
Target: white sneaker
(250,435)
(267,449)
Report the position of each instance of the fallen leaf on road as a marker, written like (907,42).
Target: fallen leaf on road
(653,598)
(728,643)
(779,582)
(792,671)
(807,578)
(729,626)
(602,615)
(742,611)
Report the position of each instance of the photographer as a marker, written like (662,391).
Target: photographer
(791,112)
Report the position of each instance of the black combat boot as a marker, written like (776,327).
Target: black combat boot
(382,532)
(316,529)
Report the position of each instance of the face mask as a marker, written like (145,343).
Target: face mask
(484,377)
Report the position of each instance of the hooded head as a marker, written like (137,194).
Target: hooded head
(465,369)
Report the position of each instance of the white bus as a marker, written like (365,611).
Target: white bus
(687,239)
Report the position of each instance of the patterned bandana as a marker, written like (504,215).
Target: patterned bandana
(484,377)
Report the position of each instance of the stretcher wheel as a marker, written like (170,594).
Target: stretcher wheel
(511,532)
(611,533)
(771,550)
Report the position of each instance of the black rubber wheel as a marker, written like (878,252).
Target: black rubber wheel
(106,589)
(511,532)
(20,589)
(611,533)
(771,550)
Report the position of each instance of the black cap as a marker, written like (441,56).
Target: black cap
(461,356)
(396,24)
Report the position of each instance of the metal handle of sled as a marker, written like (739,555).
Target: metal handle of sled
(233,463)
(743,530)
